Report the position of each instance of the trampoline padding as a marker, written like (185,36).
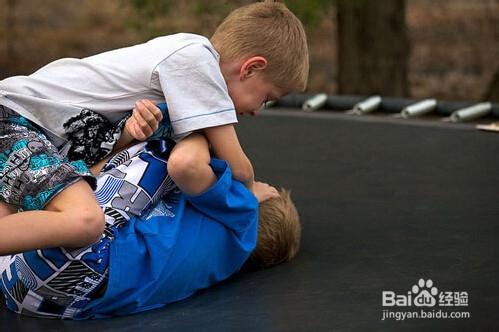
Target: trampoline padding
(382,205)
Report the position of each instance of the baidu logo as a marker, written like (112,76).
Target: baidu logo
(424,301)
(424,294)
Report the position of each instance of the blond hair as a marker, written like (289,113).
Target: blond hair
(279,232)
(268,29)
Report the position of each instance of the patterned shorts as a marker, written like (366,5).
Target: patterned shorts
(32,171)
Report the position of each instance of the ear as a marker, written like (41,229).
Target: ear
(252,66)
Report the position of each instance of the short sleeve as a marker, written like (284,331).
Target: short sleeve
(195,90)
(227,201)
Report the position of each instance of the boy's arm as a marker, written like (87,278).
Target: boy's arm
(125,139)
(225,144)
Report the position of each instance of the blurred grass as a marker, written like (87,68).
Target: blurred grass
(454,53)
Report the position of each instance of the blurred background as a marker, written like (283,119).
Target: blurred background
(446,49)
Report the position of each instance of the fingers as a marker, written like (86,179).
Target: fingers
(142,128)
(139,132)
(145,119)
(273,192)
(153,109)
(264,191)
(268,188)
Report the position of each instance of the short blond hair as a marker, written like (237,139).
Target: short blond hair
(279,232)
(268,29)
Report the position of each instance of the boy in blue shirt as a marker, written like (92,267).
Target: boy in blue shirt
(160,245)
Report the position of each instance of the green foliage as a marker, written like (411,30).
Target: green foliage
(310,12)
(200,7)
(152,7)
(159,17)
(147,12)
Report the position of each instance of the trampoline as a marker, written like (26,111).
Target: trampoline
(383,203)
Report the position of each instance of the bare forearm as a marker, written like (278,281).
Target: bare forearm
(226,146)
(244,173)
(125,140)
(96,168)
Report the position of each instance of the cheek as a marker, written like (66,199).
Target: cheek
(248,101)
(255,101)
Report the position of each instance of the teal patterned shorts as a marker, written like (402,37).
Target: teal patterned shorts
(32,171)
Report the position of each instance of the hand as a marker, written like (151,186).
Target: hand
(264,191)
(144,121)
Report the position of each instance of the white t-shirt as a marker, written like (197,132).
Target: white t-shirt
(182,70)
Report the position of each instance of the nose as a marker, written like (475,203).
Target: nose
(258,110)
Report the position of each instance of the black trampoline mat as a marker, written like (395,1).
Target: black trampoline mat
(382,203)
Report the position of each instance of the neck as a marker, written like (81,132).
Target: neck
(230,70)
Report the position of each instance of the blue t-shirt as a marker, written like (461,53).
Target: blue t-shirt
(193,243)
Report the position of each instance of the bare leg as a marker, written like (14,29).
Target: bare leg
(189,165)
(71,219)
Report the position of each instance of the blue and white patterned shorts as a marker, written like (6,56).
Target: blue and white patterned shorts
(32,171)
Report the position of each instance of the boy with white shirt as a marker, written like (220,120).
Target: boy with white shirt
(258,53)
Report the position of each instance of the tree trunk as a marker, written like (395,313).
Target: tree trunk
(493,92)
(9,28)
(373,47)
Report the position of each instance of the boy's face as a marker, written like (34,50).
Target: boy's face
(251,90)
